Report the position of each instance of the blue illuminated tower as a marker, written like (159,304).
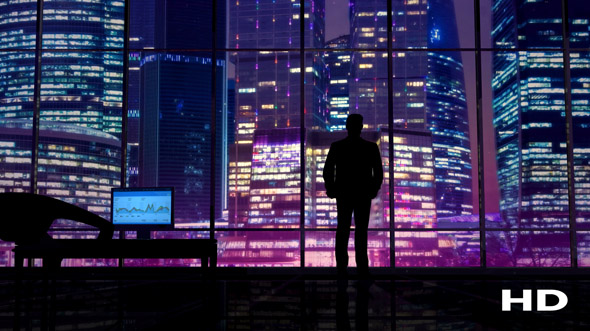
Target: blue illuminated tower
(175,109)
(81,88)
(529,112)
(80,98)
(175,141)
(338,80)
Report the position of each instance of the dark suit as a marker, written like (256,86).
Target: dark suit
(353,174)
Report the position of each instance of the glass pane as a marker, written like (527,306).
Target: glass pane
(80,128)
(255,25)
(265,140)
(258,248)
(362,23)
(530,144)
(424,24)
(328,102)
(434,138)
(169,135)
(320,249)
(485,16)
(83,25)
(583,240)
(18,24)
(528,249)
(17,71)
(416,24)
(368,97)
(578,13)
(437,249)
(176,24)
(6,254)
(525,24)
(580,89)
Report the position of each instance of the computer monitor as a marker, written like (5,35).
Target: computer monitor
(142,209)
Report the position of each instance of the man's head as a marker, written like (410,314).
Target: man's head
(354,124)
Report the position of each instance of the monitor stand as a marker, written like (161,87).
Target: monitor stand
(143,234)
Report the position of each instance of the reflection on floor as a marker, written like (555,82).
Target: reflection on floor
(281,303)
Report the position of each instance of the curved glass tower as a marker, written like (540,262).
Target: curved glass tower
(81,87)
(446,113)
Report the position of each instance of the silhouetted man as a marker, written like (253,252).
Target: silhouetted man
(353,174)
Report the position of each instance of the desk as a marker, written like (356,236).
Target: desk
(204,249)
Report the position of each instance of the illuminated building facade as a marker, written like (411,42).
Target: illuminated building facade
(175,144)
(80,106)
(76,164)
(428,87)
(90,98)
(81,88)
(240,171)
(268,83)
(259,249)
(580,92)
(321,211)
(413,178)
(275,179)
(268,95)
(529,113)
(337,81)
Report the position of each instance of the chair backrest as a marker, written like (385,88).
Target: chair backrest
(25,217)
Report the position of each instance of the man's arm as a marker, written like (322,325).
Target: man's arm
(329,172)
(377,171)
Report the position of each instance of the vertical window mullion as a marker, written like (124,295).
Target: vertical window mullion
(480,153)
(37,97)
(213,119)
(125,97)
(569,133)
(302,131)
(390,133)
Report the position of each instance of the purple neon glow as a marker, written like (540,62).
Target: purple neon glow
(413,248)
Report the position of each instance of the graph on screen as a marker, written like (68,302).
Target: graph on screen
(142,208)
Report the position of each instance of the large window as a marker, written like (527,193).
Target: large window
(479,109)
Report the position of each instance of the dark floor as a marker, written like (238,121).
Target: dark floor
(289,299)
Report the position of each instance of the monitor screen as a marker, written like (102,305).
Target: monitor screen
(142,206)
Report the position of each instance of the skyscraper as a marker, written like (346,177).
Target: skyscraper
(338,80)
(268,86)
(529,112)
(175,108)
(428,87)
(141,37)
(80,99)
(76,164)
(176,128)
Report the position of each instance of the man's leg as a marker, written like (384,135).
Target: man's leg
(362,211)
(343,232)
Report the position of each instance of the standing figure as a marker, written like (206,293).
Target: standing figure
(353,174)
